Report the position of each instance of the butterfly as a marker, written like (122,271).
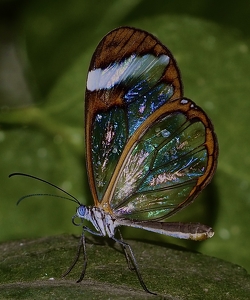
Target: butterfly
(149,150)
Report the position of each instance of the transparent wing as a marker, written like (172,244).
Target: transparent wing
(170,159)
(131,76)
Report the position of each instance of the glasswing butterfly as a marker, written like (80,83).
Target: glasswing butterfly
(149,150)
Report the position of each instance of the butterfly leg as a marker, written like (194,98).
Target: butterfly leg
(130,256)
(130,264)
(85,252)
(82,245)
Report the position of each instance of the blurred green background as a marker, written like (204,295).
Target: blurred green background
(45,49)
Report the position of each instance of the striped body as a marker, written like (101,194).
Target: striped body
(105,224)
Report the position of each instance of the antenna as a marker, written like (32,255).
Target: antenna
(72,198)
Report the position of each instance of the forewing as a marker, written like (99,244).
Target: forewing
(170,159)
(131,76)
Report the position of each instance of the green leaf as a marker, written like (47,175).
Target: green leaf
(32,269)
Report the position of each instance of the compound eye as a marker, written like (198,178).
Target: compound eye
(81,210)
